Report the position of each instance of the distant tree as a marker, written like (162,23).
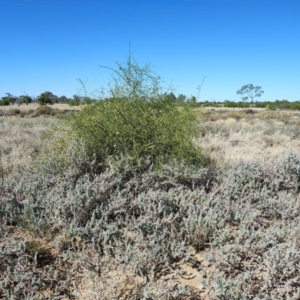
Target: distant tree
(63,99)
(8,99)
(181,98)
(87,100)
(244,99)
(295,105)
(232,104)
(54,99)
(263,104)
(77,98)
(4,101)
(251,92)
(25,99)
(170,97)
(46,98)
(11,98)
(193,99)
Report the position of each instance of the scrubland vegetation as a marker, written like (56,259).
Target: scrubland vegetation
(148,199)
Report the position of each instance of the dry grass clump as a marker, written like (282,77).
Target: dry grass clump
(235,115)
(34,106)
(20,140)
(212,115)
(231,142)
(249,115)
(12,112)
(36,110)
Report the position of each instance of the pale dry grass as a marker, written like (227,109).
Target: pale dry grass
(233,141)
(33,106)
(260,113)
(20,140)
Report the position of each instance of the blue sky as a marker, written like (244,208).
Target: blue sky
(46,45)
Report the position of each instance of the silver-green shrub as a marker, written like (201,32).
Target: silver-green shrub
(246,218)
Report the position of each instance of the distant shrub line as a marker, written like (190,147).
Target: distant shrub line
(32,113)
(272,105)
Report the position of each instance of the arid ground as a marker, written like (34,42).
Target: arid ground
(227,231)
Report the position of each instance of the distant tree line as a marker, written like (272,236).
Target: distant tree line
(272,105)
(48,98)
(44,99)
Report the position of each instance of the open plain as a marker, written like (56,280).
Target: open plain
(229,230)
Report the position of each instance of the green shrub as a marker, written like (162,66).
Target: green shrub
(45,98)
(73,102)
(263,104)
(272,106)
(233,104)
(4,102)
(137,121)
(295,106)
(159,130)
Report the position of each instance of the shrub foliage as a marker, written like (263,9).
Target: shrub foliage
(154,129)
(137,121)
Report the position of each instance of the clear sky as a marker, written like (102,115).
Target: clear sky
(46,45)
